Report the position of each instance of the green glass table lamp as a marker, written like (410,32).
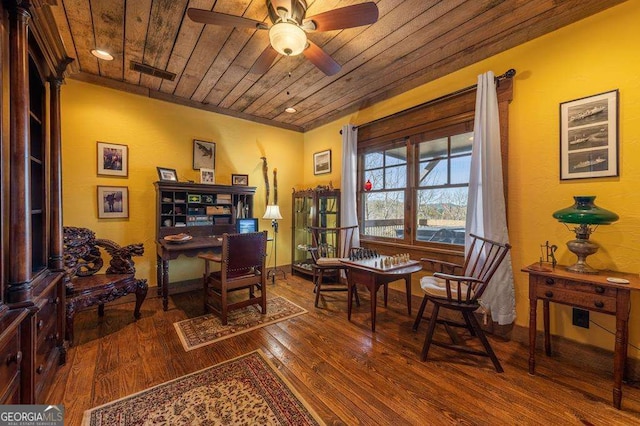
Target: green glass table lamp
(587,216)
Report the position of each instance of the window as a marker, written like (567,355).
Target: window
(384,204)
(442,184)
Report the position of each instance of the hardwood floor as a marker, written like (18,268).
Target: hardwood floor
(347,373)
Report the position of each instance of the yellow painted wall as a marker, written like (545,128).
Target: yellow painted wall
(597,54)
(161,134)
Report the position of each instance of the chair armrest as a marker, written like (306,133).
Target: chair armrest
(458,278)
(121,262)
(441,264)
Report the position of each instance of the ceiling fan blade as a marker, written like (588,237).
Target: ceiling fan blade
(216,18)
(264,61)
(345,17)
(321,59)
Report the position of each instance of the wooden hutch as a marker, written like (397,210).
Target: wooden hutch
(32,64)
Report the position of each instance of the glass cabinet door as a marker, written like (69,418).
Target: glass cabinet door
(303,211)
(328,211)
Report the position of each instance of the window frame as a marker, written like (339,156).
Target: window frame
(424,122)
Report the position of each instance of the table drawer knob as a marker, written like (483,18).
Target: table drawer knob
(40,369)
(40,324)
(599,304)
(14,358)
(550,281)
(548,293)
(599,289)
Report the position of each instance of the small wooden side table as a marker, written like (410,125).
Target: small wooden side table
(586,291)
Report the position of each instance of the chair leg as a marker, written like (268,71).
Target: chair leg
(318,287)
(474,323)
(386,294)
(430,330)
(420,313)
(469,326)
(223,306)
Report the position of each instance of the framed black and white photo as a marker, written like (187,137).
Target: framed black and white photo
(589,137)
(207,176)
(113,159)
(113,202)
(241,180)
(204,155)
(322,162)
(167,175)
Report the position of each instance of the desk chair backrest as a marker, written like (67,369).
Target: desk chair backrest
(331,242)
(243,254)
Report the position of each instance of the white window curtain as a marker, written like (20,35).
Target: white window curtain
(486,211)
(348,183)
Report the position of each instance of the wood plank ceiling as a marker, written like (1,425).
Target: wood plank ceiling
(413,42)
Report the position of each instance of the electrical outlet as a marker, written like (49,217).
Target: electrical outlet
(580,318)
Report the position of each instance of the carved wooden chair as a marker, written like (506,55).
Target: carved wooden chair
(85,288)
(329,245)
(459,288)
(242,267)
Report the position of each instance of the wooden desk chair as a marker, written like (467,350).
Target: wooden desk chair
(459,288)
(242,267)
(329,245)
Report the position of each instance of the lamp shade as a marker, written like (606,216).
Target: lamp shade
(585,212)
(287,38)
(272,212)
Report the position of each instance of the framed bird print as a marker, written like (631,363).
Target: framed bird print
(204,155)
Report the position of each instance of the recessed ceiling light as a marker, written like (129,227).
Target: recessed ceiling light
(291,110)
(101,54)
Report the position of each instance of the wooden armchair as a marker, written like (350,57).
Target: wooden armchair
(242,267)
(329,245)
(85,288)
(459,288)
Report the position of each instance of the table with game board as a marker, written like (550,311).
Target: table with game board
(377,271)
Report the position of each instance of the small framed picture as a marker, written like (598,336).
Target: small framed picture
(241,180)
(113,202)
(204,155)
(113,159)
(207,176)
(589,137)
(322,162)
(167,175)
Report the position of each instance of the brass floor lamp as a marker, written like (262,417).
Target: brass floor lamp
(273,213)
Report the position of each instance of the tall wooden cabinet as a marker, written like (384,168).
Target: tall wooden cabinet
(32,302)
(311,207)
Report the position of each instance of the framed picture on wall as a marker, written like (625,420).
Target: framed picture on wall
(589,137)
(322,162)
(207,176)
(113,159)
(204,155)
(113,202)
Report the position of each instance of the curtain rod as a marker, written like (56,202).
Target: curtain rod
(510,73)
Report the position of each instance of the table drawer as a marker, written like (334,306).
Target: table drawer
(551,282)
(10,359)
(591,301)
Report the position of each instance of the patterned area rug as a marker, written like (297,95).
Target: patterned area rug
(207,329)
(246,390)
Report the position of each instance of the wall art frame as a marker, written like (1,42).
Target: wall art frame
(239,180)
(207,176)
(589,137)
(204,155)
(112,159)
(322,162)
(113,202)
(167,175)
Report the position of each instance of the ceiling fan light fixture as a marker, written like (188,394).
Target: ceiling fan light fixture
(290,110)
(102,54)
(288,38)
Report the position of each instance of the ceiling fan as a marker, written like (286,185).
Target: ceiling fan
(288,32)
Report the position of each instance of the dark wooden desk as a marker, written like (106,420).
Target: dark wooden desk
(170,250)
(586,291)
(363,272)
